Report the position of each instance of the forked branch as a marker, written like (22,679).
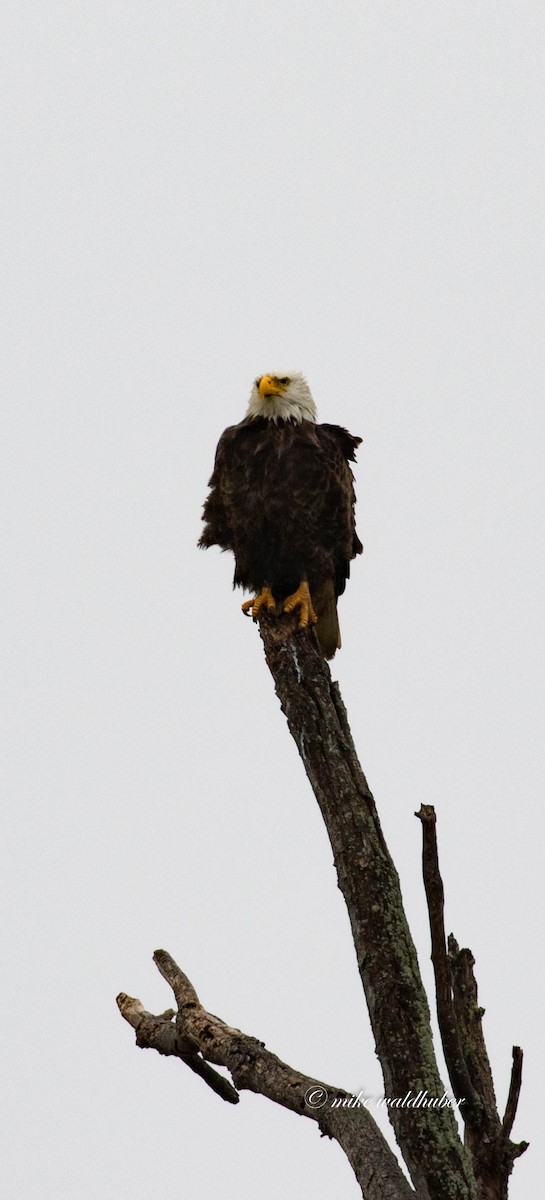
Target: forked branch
(460,1026)
(199,1039)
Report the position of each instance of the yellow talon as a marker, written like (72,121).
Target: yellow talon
(302,599)
(252,607)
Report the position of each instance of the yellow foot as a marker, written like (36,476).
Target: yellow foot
(301,599)
(252,608)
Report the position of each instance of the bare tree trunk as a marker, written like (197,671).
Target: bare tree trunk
(439,1164)
(428,1137)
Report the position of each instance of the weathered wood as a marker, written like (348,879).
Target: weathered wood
(492,1152)
(441,1168)
(428,1137)
(198,1038)
(472,1109)
(460,1025)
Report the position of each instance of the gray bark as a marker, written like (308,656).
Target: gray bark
(440,1166)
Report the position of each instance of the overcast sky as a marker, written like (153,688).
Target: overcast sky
(197,193)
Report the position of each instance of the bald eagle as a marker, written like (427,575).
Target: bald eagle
(282,499)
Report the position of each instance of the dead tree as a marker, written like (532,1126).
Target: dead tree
(439,1164)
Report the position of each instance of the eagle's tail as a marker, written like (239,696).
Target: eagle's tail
(327,628)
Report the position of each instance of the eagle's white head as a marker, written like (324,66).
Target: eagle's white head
(282,398)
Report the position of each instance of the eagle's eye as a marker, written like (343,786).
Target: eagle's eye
(284,382)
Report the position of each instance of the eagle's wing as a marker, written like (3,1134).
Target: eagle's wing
(346,441)
(217,527)
(342,447)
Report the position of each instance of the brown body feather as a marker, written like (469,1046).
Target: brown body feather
(282,499)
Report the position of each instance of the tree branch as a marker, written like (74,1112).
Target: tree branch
(199,1038)
(446,1016)
(469,1021)
(514,1092)
(158,1033)
(460,1025)
(492,1151)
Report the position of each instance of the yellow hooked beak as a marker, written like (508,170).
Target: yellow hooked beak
(269,386)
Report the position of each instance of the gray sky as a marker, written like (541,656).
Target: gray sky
(195,194)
